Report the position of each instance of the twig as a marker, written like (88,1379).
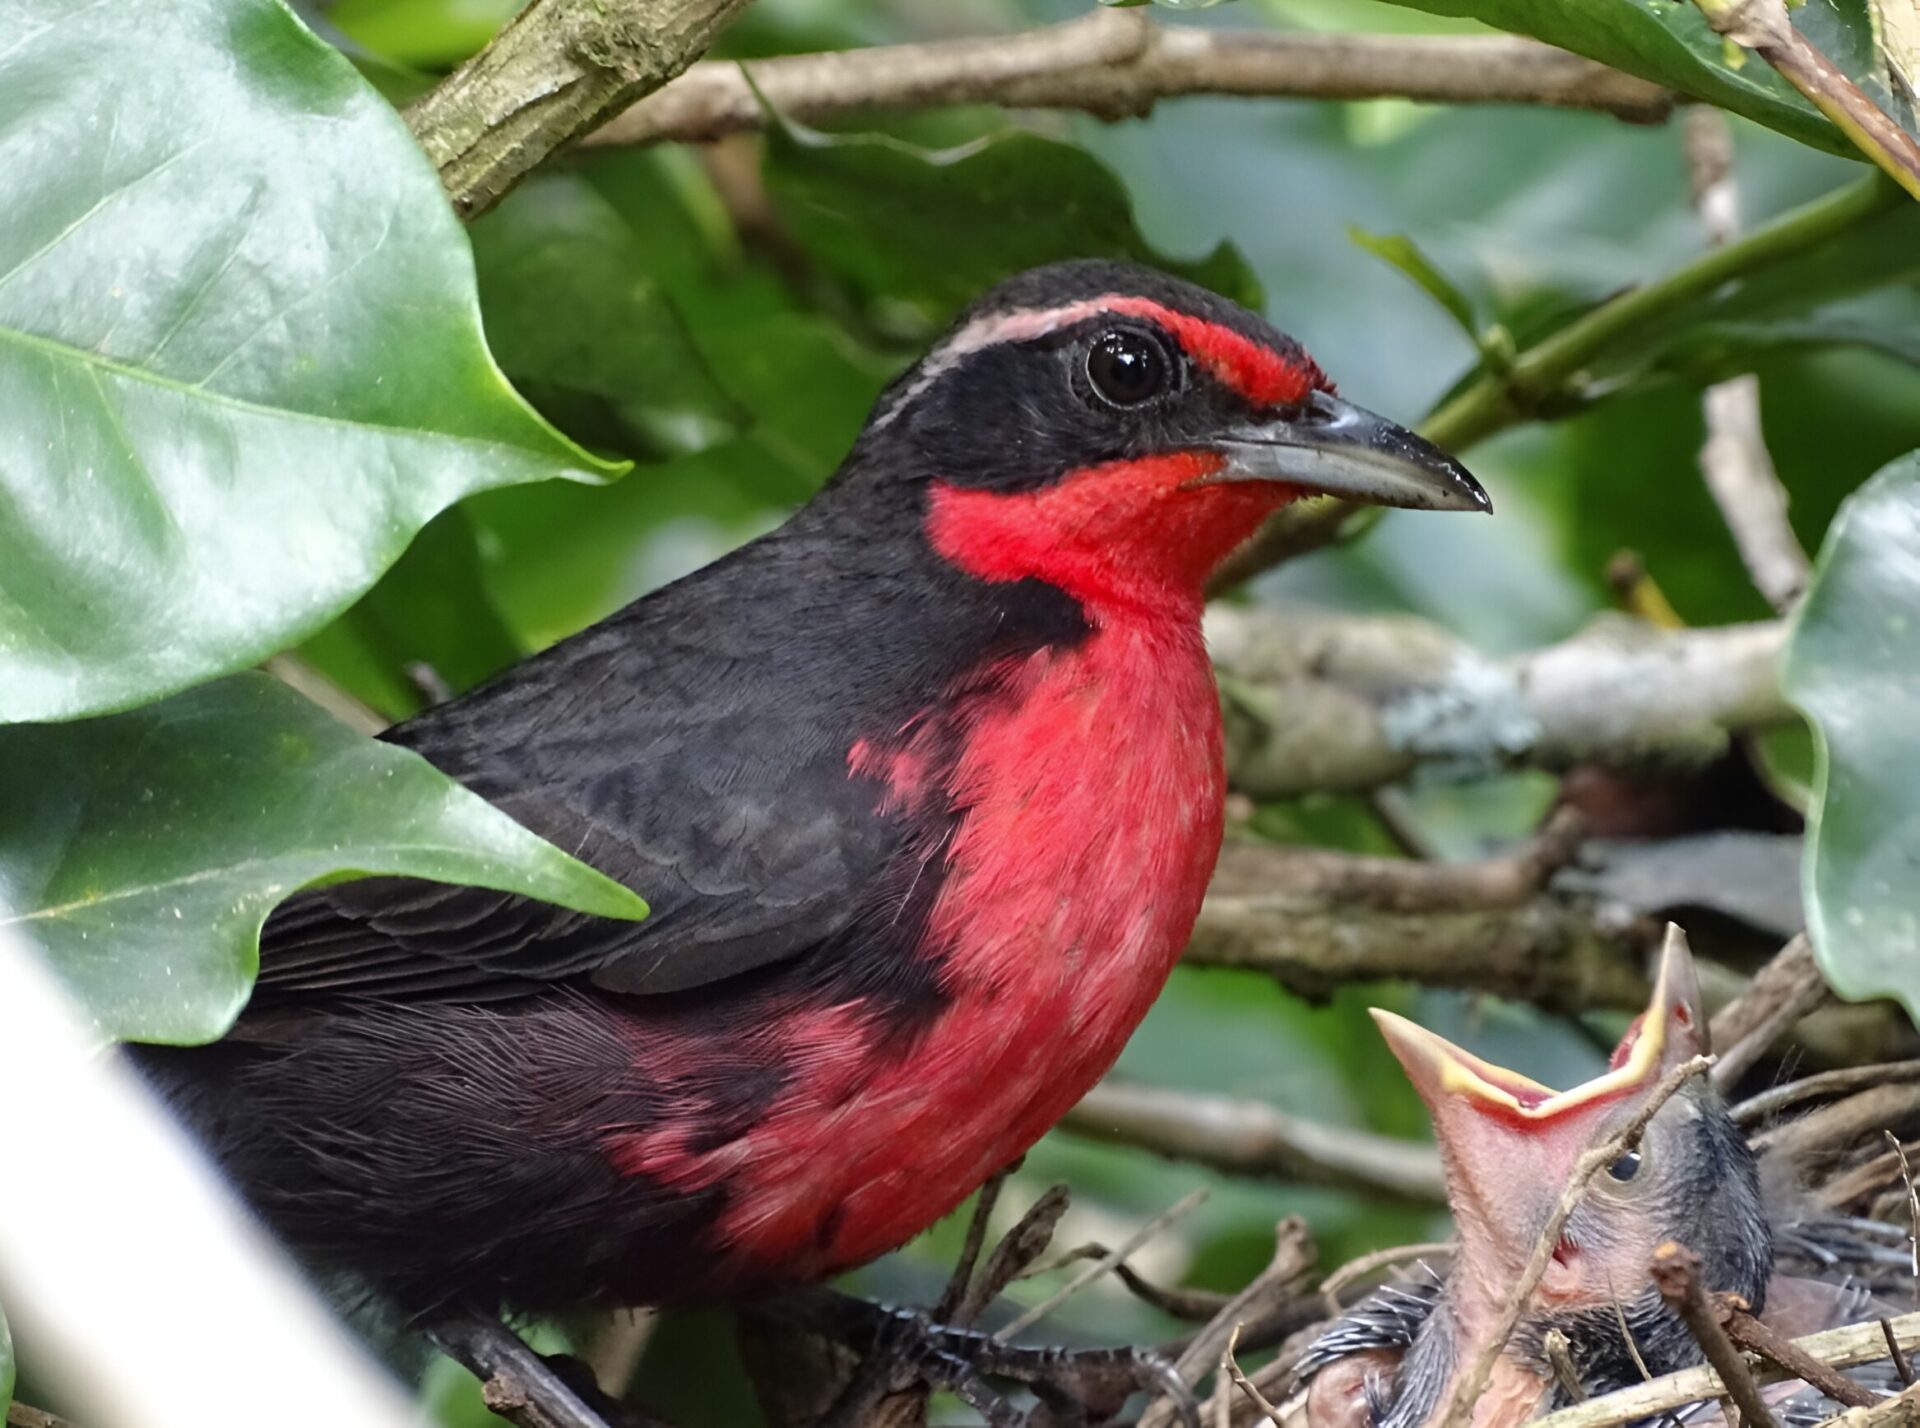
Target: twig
(1830,1128)
(557,70)
(617,1348)
(19,1415)
(1781,993)
(955,1293)
(1900,1364)
(1763,27)
(1550,373)
(1275,1285)
(1840,1348)
(1467,1389)
(1560,1358)
(1756,1337)
(303,678)
(1252,1138)
(1738,469)
(1771,1102)
(1196,1306)
(1676,1273)
(1118,65)
(1173,1214)
(1333,703)
(1913,1202)
(1900,1411)
(1018,1248)
(1231,1366)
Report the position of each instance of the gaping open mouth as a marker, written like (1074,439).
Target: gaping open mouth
(1437,1063)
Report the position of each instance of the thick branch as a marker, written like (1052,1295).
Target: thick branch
(1316,920)
(1115,64)
(1319,703)
(1250,1138)
(558,69)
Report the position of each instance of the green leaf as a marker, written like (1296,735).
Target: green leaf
(581,319)
(240,356)
(429,624)
(1403,253)
(1670,43)
(1853,666)
(144,850)
(934,228)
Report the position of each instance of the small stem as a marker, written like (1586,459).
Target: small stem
(1497,400)
(1493,403)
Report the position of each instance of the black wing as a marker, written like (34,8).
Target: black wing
(694,747)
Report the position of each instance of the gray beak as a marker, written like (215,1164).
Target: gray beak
(1344,450)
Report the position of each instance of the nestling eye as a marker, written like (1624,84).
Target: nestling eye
(1127,368)
(1626,1167)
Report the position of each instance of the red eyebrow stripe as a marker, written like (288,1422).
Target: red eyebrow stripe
(1256,372)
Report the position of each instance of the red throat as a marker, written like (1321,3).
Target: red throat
(1140,536)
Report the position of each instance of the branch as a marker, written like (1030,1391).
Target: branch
(1467,1389)
(1676,1274)
(1739,472)
(1763,27)
(1251,1138)
(1278,1284)
(1551,372)
(553,73)
(1757,1337)
(1118,65)
(1782,992)
(1838,1348)
(1347,703)
(1316,920)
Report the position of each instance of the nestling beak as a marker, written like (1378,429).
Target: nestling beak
(1335,447)
(1509,1143)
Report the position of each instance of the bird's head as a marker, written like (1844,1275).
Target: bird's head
(1117,433)
(1509,1146)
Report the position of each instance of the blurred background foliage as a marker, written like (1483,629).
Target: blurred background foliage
(725,317)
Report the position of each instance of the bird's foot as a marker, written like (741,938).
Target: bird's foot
(909,1347)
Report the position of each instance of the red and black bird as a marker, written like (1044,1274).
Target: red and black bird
(923,787)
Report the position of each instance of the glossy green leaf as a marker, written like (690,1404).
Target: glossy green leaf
(1403,253)
(580,317)
(1670,43)
(934,228)
(428,629)
(1853,666)
(240,358)
(144,850)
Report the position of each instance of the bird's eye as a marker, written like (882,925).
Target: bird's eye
(1127,368)
(1626,1167)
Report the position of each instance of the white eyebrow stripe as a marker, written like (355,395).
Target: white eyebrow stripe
(988,331)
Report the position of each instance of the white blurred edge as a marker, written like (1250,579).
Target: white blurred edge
(136,1285)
